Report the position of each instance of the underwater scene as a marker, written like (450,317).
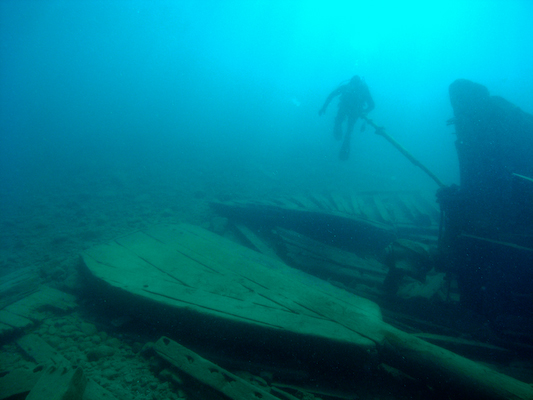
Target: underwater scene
(266,200)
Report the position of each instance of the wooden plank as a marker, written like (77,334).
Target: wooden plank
(208,374)
(14,320)
(275,312)
(256,241)
(369,208)
(429,207)
(335,255)
(335,274)
(35,306)
(231,308)
(416,356)
(191,270)
(441,369)
(40,351)
(402,214)
(359,206)
(338,203)
(59,382)
(477,350)
(94,391)
(19,382)
(279,280)
(322,202)
(11,323)
(411,208)
(347,204)
(354,203)
(382,209)
(45,355)
(303,202)
(17,285)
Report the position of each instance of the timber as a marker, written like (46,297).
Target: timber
(192,273)
(208,374)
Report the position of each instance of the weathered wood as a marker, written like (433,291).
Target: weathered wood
(333,254)
(473,349)
(303,202)
(319,218)
(207,373)
(330,262)
(59,382)
(382,209)
(369,209)
(17,285)
(40,351)
(256,241)
(322,202)
(191,269)
(19,382)
(170,263)
(93,391)
(14,320)
(449,372)
(438,367)
(36,306)
(354,202)
(45,355)
(339,203)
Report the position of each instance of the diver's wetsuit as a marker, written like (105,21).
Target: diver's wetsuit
(355,100)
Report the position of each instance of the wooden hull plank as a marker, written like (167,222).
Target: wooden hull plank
(303,202)
(338,204)
(257,242)
(351,320)
(332,254)
(14,320)
(176,278)
(17,285)
(259,305)
(382,209)
(206,373)
(34,306)
(322,202)
(274,279)
(229,309)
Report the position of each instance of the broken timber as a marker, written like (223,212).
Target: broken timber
(192,274)
(31,307)
(207,373)
(368,219)
(53,378)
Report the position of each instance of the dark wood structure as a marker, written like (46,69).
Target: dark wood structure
(489,217)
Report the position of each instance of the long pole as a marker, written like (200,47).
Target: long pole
(381,131)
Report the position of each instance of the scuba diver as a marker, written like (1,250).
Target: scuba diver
(355,101)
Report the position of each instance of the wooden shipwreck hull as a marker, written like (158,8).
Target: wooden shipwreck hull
(229,294)
(369,220)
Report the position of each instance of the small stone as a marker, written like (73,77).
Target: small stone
(109,373)
(88,329)
(114,342)
(99,352)
(68,329)
(54,341)
(136,347)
